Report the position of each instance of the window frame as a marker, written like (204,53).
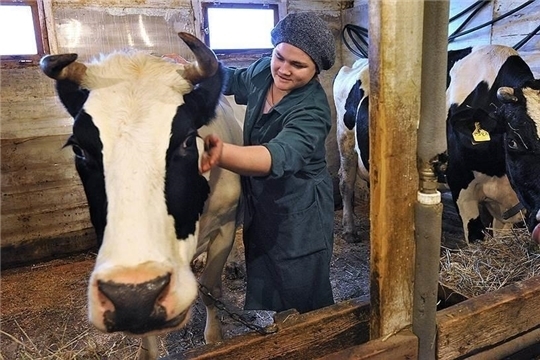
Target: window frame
(40,32)
(222,53)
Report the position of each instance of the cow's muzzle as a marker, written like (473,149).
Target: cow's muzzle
(136,308)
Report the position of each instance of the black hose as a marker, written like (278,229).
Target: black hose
(469,9)
(452,37)
(526,38)
(359,36)
(470,17)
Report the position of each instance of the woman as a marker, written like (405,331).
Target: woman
(289,212)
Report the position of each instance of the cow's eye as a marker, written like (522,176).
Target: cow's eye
(190,140)
(78,151)
(188,146)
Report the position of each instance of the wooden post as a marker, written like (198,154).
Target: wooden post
(395,55)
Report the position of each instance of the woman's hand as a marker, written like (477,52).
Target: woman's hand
(213,150)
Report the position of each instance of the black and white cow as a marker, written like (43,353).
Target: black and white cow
(351,98)
(519,119)
(477,168)
(136,139)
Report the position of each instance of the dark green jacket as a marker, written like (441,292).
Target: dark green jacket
(288,223)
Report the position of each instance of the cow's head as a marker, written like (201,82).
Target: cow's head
(134,138)
(520,114)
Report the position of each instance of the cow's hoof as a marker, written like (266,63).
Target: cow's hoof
(234,271)
(199,262)
(352,238)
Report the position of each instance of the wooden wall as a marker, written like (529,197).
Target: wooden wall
(43,210)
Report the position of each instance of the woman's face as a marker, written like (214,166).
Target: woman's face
(291,67)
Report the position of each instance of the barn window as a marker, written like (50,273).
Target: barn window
(22,32)
(233,28)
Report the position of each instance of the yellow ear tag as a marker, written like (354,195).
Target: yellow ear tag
(479,134)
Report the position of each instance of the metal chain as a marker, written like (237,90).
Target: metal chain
(270,329)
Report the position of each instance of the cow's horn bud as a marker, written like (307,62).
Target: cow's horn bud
(206,64)
(506,94)
(62,67)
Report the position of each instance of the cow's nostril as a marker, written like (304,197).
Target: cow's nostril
(134,307)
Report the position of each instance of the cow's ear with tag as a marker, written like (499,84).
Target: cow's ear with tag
(476,121)
(488,122)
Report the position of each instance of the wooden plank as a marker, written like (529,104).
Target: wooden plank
(36,160)
(26,228)
(526,346)
(29,106)
(43,248)
(299,336)
(400,346)
(48,196)
(488,320)
(42,197)
(395,30)
(313,5)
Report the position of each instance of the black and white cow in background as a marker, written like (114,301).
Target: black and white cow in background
(137,147)
(519,120)
(351,98)
(477,165)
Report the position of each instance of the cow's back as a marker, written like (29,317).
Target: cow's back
(483,65)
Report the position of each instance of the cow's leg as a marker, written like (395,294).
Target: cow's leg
(218,251)
(469,212)
(234,267)
(501,227)
(348,168)
(149,348)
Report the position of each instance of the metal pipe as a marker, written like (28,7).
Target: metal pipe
(431,142)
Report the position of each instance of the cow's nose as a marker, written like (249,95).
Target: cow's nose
(134,307)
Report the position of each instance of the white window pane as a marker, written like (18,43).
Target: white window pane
(240,28)
(17,34)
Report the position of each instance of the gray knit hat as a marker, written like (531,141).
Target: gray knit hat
(309,33)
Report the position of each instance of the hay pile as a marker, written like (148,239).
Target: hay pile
(500,260)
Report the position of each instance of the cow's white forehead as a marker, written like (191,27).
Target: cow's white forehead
(532,98)
(470,73)
(132,102)
(135,66)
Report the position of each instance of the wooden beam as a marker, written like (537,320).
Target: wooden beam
(400,346)
(488,321)
(526,346)
(395,58)
(299,336)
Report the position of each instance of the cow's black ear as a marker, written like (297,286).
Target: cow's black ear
(462,118)
(71,95)
(488,121)
(202,101)
(469,120)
